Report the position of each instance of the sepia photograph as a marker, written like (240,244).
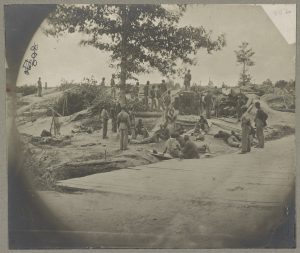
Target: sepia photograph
(151,126)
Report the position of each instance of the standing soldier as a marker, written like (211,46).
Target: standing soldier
(158,97)
(118,108)
(163,86)
(187,80)
(260,123)
(113,115)
(200,103)
(153,100)
(146,94)
(246,131)
(123,125)
(103,81)
(208,104)
(136,90)
(113,86)
(39,88)
(132,122)
(105,118)
(167,99)
(46,86)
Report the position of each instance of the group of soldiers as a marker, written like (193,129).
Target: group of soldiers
(158,96)
(246,139)
(248,132)
(123,121)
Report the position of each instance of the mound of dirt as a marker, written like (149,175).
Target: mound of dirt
(279,102)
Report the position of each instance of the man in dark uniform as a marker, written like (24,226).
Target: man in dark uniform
(153,100)
(141,130)
(118,108)
(158,97)
(167,99)
(260,123)
(136,90)
(187,80)
(163,86)
(208,104)
(123,125)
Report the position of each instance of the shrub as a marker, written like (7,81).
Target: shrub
(26,89)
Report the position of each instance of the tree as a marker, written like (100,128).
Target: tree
(281,84)
(267,82)
(141,38)
(243,56)
(291,85)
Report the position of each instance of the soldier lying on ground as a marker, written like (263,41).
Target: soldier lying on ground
(232,139)
(162,133)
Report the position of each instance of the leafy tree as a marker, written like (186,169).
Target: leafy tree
(243,57)
(140,38)
(292,85)
(267,82)
(282,84)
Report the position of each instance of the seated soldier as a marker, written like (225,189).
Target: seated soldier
(162,133)
(197,129)
(203,124)
(180,139)
(190,150)
(141,130)
(172,146)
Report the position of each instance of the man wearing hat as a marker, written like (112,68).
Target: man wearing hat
(260,123)
(123,125)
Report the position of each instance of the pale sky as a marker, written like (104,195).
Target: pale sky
(284,18)
(269,29)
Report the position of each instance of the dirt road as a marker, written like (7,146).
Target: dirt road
(232,200)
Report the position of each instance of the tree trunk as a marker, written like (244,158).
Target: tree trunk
(123,74)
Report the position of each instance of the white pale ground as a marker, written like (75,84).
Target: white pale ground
(270,30)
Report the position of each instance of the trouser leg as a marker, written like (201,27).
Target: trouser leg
(146,102)
(104,129)
(208,112)
(125,140)
(121,139)
(133,133)
(260,136)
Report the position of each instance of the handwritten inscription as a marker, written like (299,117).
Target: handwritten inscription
(32,62)
(282,12)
